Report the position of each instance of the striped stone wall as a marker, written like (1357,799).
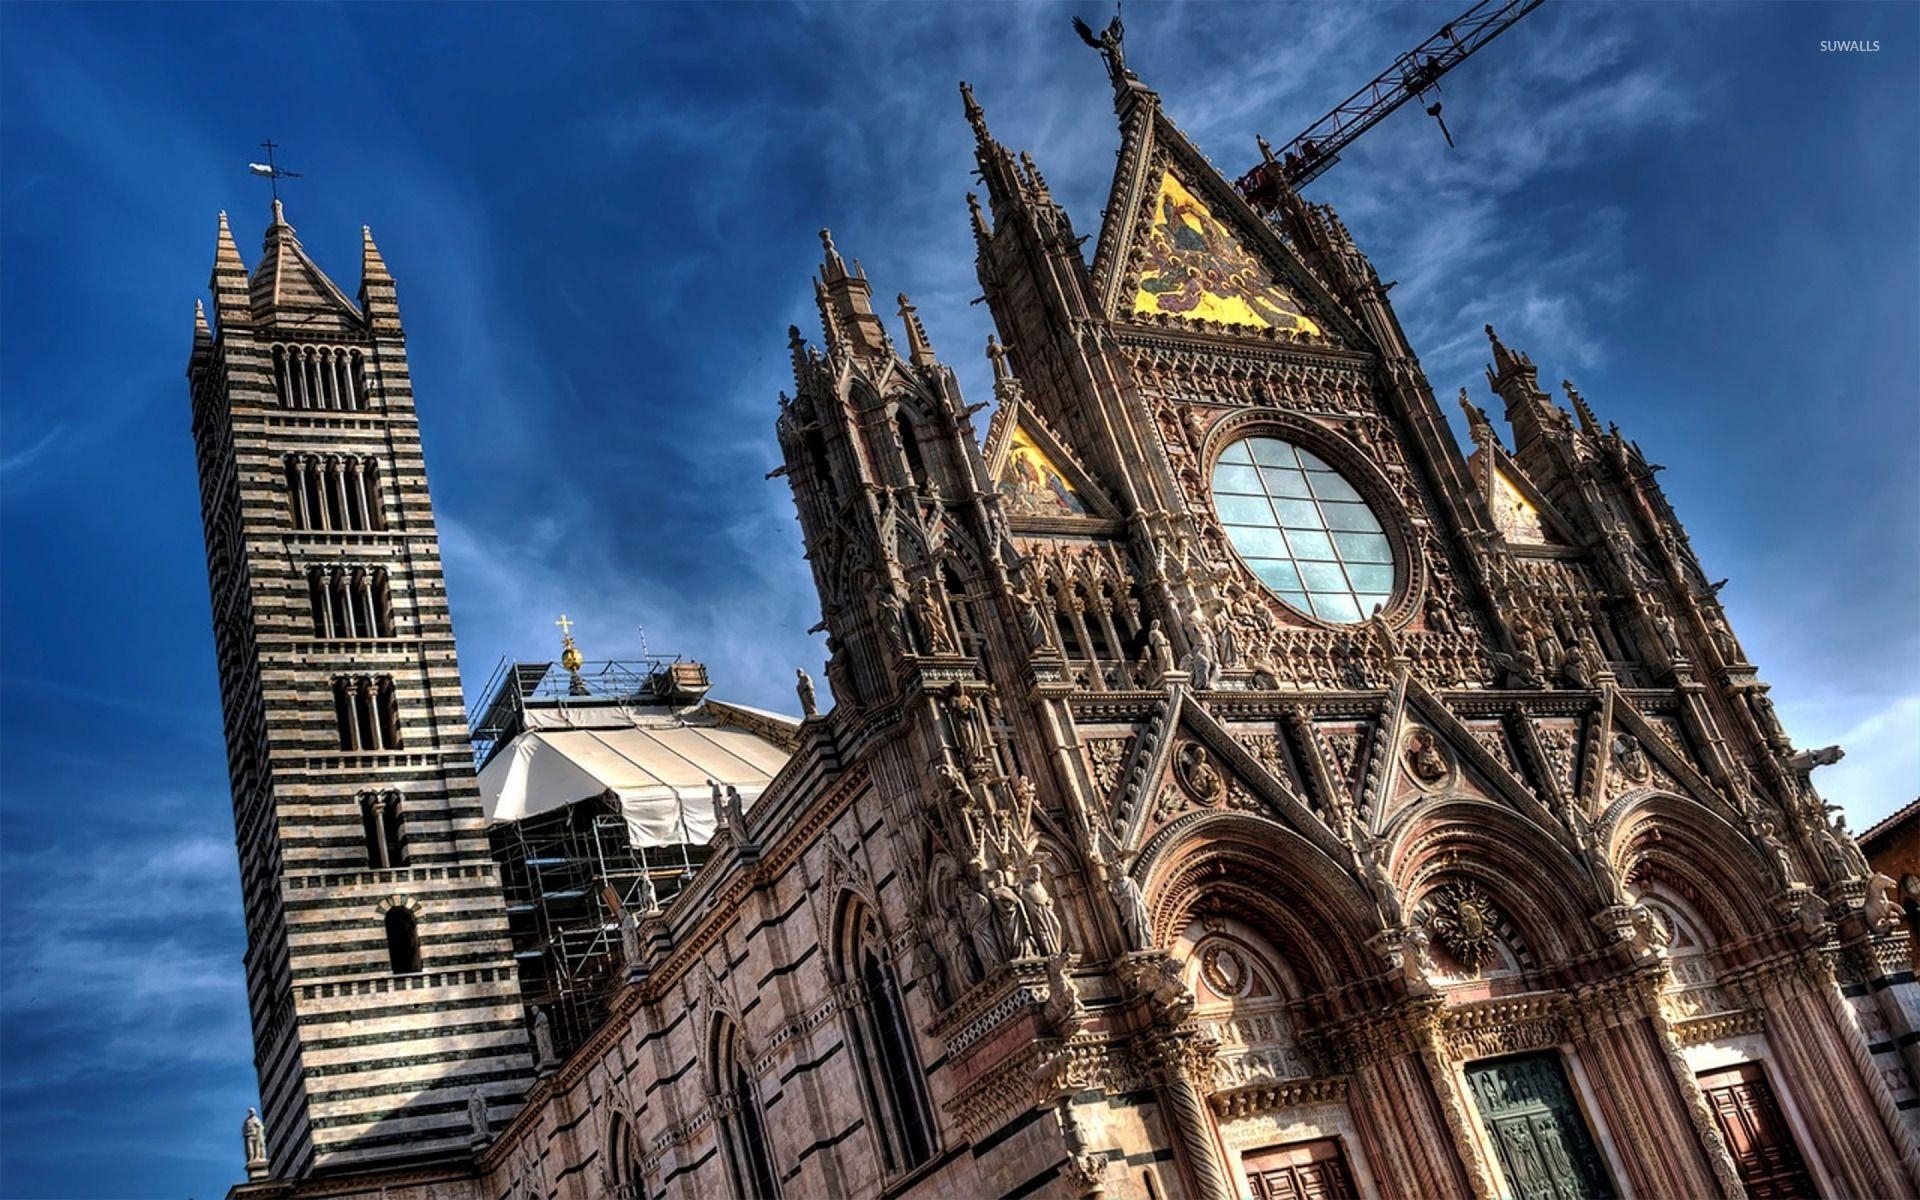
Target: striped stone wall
(358,1065)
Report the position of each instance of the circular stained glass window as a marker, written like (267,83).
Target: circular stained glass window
(1303,529)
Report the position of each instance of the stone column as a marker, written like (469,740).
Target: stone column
(1835,1083)
(1174,1061)
(1422,1020)
(1664,1149)
(1404,1094)
(1725,1172)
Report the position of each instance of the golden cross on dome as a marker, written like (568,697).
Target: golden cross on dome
(566,626)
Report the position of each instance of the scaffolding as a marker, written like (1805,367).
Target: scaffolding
(568,874)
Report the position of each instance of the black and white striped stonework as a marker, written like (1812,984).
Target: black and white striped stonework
(355,808)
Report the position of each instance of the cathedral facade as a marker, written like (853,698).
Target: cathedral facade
(1230,789)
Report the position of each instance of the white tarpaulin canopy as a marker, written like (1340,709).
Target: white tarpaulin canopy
(658,772)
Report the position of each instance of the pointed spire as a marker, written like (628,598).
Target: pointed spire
(229,280)
(279,217)
(1504,359)
(378,300)
(1005,187)
(919,349)
(226,254)
(1588,422)
(846,307)
(1035,180)
(372,266)
(833,267)
(202,341)
(982,232)
(976,116)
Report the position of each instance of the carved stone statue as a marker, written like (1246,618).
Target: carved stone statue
(976,911)
(1765,833)
(1375,856)
(1135,920)
(1042,917)
(1630,758)
(803,684)
(1425,758)
(544,1058)
(936,636)
(1880,904)
(629,936)
(1033,618)
(1159,654)
(1064,1012)
(253,1135)
(478,1131)
(1015,932)
(649,898)
(1805,761)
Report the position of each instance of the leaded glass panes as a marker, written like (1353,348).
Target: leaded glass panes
(1304,530)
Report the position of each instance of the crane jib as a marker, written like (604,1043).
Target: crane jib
(1412,74)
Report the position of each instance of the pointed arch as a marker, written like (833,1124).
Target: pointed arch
(1532,877)
(1689,849)
(740,1117)
(1253,869)
(880,1034)
(626,1174)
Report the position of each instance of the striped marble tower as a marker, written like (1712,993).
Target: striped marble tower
(379,971)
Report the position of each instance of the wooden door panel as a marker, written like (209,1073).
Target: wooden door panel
(1756,1134)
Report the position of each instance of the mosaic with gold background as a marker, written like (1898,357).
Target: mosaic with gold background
(1192,266)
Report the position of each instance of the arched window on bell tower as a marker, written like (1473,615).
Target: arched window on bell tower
(403,941)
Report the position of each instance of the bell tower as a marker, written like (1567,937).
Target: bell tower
(383,995)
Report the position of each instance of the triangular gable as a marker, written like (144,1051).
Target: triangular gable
(288,281)
(1035,472)
(1521,512)
(1180,245)
(1187,263)
(1185,759)
(1434,752)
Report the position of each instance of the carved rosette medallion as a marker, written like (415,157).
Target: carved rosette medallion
(1463,921)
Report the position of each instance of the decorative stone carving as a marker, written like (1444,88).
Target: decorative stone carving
(1427,759)
(1463,920)
(1197,774)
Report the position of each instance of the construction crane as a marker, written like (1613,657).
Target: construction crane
(1412,75)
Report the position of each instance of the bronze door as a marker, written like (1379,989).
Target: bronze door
(1756,1134)
(1537,1132)
(1301,1171)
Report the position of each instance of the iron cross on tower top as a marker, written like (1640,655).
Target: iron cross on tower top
(271,171)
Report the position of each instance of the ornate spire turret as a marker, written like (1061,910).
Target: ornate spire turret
(846,306)
(919,349)
(1530,412)
(1588,422)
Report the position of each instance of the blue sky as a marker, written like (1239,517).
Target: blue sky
(603,219)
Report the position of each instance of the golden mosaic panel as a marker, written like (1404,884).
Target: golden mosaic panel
(1192,266)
